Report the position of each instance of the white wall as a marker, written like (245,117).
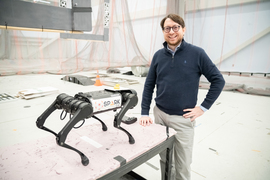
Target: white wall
(208,29)
(241,43)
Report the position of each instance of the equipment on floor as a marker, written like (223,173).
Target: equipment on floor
(79,79)
(86,105)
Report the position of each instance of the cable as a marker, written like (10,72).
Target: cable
(62,118)
(80,125)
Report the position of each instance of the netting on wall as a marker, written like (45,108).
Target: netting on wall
(235,36)
(24,52)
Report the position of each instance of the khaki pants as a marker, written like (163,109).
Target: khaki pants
(182,151)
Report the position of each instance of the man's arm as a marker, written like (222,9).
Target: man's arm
(148,90)
(149,86)
(213,75)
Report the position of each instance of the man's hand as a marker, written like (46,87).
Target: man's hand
(193,113)
(145,121)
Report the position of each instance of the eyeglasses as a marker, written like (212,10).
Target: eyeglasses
(174,28)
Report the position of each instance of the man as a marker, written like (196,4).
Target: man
(176,71)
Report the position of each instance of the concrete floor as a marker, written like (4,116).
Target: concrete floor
(232,139)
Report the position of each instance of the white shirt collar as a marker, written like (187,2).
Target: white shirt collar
(175,48)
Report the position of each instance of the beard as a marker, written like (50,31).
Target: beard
(175,43)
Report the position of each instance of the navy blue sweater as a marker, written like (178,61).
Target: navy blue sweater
(177,79)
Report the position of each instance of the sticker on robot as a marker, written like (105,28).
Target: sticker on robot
(105,104)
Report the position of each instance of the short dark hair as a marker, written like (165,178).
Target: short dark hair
(176,18)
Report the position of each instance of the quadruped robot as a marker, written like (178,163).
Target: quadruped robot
(85,105)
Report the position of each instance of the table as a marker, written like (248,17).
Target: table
(109,152)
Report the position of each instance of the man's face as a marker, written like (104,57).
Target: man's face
(171,37)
